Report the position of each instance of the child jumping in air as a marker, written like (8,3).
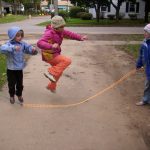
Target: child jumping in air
(14,50)
(50,44)
(144,61)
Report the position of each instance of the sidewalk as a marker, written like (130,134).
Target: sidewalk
(30,27)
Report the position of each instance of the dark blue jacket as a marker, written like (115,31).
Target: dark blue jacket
(144,57)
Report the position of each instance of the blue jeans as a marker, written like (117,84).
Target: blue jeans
(146,96)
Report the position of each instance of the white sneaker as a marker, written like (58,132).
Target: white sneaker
(140,103)
(49,76)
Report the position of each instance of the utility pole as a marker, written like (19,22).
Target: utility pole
(56,6)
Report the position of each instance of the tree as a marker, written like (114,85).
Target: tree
(80,3)
(17,3)
(118,4)
(147,10)
(96,4)
(1,15)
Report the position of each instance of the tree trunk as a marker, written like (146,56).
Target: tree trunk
(117,13)
(146,11)
(97,15)
(15,7)
(97,10)
(1,12)
(56,6)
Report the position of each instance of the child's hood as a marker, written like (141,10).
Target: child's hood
(12,32)
(50,30)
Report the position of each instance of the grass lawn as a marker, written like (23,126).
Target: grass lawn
(12,18)
(132,49)
(103,22)
(2,70)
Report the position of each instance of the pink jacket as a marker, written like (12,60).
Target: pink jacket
(49,38)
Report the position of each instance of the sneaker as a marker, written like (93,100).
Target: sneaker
(141,103)
(52,90)
(49,76)
(20,99)
(12,100)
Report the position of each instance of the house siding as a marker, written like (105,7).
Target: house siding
(140,14)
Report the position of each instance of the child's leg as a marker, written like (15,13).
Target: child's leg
(146,96)
(19,84)
(11,78)
(52,86)
(59,64)
(11,82)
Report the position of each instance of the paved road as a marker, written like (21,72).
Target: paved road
(30,27)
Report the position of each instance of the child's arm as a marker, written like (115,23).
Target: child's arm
(29,49)
(139,62)
(74,36)
(7,48)
(44,43)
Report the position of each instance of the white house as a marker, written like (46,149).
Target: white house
(125,9)
(62,5)
(6,7)
(9,8)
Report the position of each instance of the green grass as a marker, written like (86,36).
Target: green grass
(2,70)
(133,37)
(103,22)
(132,49)
(12,18)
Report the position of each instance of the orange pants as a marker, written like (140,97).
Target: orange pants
(58,65)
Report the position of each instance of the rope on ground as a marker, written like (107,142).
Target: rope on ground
(132,72)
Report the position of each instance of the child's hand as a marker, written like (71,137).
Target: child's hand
(34,51)
(55,45)
(140,69)
(17,48)
(84,38)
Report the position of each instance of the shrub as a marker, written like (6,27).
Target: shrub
(121,15)
(64,14)
(133,16)
(79,14)
(75,10)
(111,16)
(86,16)
(102,15)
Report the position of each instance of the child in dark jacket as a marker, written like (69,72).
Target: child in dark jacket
(50,44)
(144,61)
(14,50)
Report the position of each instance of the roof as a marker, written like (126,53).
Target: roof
(64,3)
(6,4)
(60,3)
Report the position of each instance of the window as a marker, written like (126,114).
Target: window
(103,8)
(132,7)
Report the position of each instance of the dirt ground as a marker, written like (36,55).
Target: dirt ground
(116,63)
(112,116)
